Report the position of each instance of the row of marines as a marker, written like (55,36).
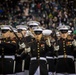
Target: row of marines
(26,52)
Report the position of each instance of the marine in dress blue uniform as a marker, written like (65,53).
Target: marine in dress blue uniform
(38,50)
(8,49)
(50,55)
(65,48)
(20,63)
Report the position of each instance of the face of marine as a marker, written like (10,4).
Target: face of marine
(64,35)
(38,37)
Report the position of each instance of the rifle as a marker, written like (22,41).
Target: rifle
(15,33)
(21,41)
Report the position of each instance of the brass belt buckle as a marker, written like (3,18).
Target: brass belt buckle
(65,56)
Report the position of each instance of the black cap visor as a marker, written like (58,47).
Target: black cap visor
(4,30)
(38,32)
(63,31)
(19,30)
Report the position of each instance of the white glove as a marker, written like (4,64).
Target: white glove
(74,43)
(27,50)
(48,42)
(56,48)
(22,45)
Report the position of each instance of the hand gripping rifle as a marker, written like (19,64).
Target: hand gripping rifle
(20,41)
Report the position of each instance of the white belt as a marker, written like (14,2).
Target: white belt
(41,58)
(48,57)
(23,63)
(67,56)
(13,57)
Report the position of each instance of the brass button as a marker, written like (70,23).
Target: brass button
(63,48)
(38,43)
(38,48)
(4,41)
(38,51)
(64,51)
(38,56)
(63,41)
(63,45)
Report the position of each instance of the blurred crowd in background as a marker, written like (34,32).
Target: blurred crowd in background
(50,13)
